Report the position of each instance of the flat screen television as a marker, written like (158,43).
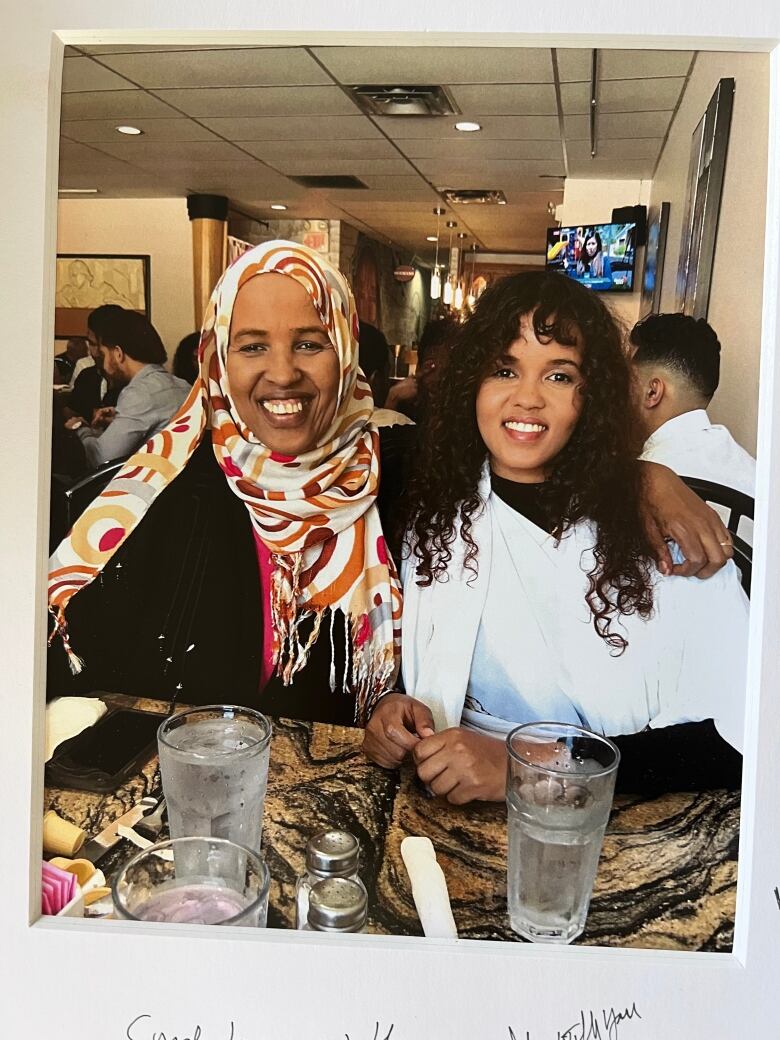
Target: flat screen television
(600,256)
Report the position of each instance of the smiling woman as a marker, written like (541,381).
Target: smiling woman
(530,589)
(282,368)
(249,523)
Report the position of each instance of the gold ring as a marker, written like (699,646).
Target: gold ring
(725,543)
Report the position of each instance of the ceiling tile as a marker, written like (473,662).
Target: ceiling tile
(577,128)
(503,169)
(540,128)
(466,147)
(643,64)
(99,130)
(632,124)
(574,63)
(575,98)
(274,152)
(80,74)
(358,167)
(255,67)
(611,169)
(437,65)
(294,128)
(113,104)
(617,148)
(261,101)
(162,153)
(505,99)
(74,150)
(638,95)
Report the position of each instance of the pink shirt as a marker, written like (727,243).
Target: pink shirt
(266,576)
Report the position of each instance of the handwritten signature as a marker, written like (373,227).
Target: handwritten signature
(591,1026)
(137,1031)
(376,1033)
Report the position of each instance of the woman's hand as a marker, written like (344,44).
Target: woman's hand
(397,725)
(462,766)
(673,511)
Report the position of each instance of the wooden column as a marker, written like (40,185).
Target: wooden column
(208,216)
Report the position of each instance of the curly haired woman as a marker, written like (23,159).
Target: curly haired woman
(531,592)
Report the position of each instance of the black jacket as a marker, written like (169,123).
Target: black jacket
(177,614)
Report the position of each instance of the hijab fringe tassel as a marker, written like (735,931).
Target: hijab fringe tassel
(60,629)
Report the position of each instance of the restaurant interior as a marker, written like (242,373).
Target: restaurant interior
(424,175)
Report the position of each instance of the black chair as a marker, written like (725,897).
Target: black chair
(80,494)
(739,505)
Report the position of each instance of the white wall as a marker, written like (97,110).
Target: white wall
(159,227)
(592,202)
(735,300)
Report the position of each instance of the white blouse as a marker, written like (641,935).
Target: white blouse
(517,644)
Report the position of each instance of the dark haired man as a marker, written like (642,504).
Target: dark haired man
(677,365)
(131,356)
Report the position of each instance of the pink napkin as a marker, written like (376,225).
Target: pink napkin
(58,887)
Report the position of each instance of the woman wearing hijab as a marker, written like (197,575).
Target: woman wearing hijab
(239,555)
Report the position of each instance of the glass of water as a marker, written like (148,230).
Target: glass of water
(214,768)
(560,782)
(194,881)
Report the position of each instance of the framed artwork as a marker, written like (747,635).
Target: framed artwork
(89,280)
(655,251)
(705,185)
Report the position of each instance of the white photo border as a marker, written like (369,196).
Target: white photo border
(109,979)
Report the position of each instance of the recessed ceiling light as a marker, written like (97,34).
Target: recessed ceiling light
(277,205)
(431,238)
(468,128)
(78,191)
(132,131)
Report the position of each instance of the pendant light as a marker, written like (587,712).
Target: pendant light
(448,290)
(458,298)
(471,298)
(435,278)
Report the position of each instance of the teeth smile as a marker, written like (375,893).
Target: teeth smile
(283,407)
(525,427)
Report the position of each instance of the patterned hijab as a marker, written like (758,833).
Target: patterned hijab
(315,512)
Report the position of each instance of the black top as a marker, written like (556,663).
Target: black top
(177,613)
(691,756)
(85,395)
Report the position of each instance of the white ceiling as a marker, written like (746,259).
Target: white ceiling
(241,121)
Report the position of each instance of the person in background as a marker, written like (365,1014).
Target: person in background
(90,389)
(374,361)
(185,360)
(530,585)
(676,361)
(64,364)
(412,395)
(132,356)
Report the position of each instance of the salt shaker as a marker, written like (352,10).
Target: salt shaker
(329,854)
(337,905)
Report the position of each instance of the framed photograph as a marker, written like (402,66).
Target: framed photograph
(709,146)
(655,252)
(87,281)
(137,980)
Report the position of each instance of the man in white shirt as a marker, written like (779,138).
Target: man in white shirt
(132,356)
(677,366)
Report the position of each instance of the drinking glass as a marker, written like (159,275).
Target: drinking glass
(194,881)
(560,782)
(214,768)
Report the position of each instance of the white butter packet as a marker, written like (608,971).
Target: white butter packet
(429,888)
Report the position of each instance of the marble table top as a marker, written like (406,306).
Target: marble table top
(666,879)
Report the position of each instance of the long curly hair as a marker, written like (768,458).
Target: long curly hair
(595,477)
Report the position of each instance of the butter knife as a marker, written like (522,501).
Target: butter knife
(108,838)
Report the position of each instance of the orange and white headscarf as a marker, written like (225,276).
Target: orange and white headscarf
(316,512)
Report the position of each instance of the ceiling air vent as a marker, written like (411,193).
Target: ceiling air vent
(467,196)
(329,181)
(405,101)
